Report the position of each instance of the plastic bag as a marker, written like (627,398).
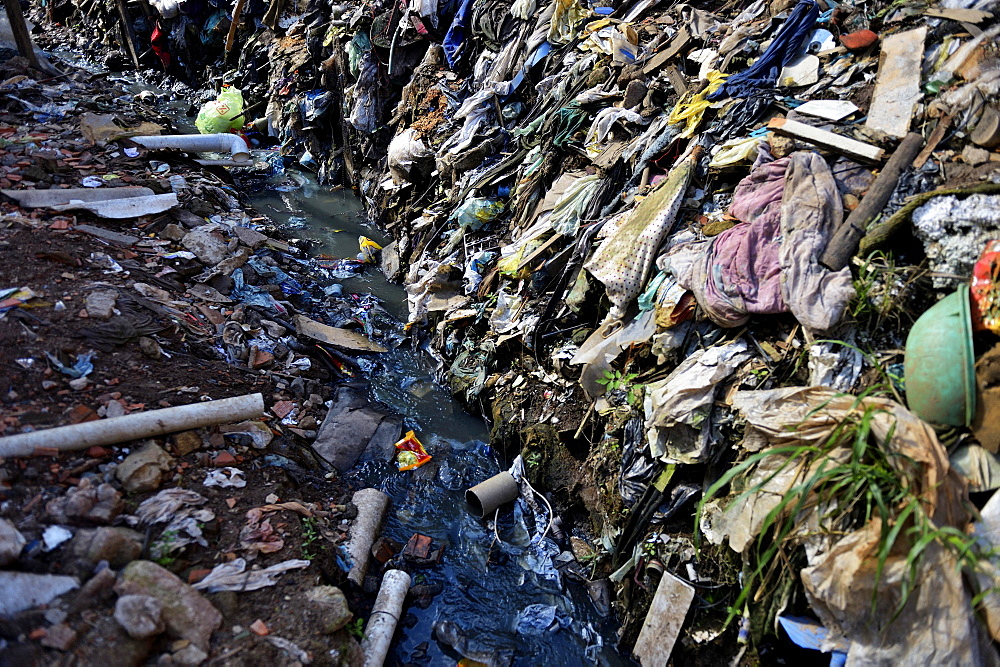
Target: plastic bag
(986,290)
(222,114)
(411,453)
(369,250)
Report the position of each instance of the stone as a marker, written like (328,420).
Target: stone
(186,613)
(141,616)
(250,237)
(332,606)
(86,503)
(635,93)
(975,156)
(189,655)
(93,593)
(119,546)
(858,40)
(143,470)
(150,348)
(207,246)
(173,232)
(79,384)
(187,218)
(108,644)
(101,303)
(61,637)
(11,543)
(347,429)
(23,590)
(186,442)
(259,358)
(581,550)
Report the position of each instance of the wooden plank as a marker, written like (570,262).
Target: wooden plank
(826,139)
(679,41)
(676,79)
(21,35)
(961,15)
(234,26)
(897,86)
(127,32)
(663,621)
(342,338)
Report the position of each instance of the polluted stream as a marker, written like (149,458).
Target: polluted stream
(499,595)
(498,603)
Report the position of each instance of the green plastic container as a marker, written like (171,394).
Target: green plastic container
(939,365)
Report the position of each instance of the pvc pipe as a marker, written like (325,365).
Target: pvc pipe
(199,143)
(372,505)
(135,426)
(484,498)
(384,617)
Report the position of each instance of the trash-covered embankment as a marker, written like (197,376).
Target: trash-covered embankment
(678,257)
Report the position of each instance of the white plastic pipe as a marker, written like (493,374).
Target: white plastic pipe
(200,143)
(372,505)
(384,617)
(135,426)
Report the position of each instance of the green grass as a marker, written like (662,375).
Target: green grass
(853,479)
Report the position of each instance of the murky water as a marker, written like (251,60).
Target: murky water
(503,602)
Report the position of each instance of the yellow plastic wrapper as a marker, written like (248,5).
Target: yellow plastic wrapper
(369,250)
(736,151)
(222,114)
(691,108)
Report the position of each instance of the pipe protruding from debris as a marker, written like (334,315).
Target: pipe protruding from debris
(372,505)
(199,143)
(484,498)
(135,426)
(384,617)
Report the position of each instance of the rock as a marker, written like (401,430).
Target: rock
(97,589)
(206,245)
(173,232)
(186,442)
(581,550)
(975,156)
(150,348)
(260,628)
(86,504)
(118,546)
(250,237)
(141,616)
(187,218)
(635,93)
(22,590)
(101,303)
(858,40)
(61,637)
(186,613)
(108,644)
(11,543)
(332,605)
(143,470)
(189,655)
(259,358)
(347,429)
(79,384)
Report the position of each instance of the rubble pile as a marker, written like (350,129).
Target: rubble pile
(723,276)
(168,364)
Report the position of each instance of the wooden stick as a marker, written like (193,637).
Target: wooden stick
(234,26)
(20,29)
(127,31)
(845,241)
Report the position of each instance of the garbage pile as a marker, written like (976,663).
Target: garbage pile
(678,256)
(169,401)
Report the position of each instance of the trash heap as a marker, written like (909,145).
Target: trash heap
(678,257)
(168,388)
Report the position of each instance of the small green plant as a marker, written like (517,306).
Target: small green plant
(615,380)
(162,550)
(851,478)
(357,628)
(311,538)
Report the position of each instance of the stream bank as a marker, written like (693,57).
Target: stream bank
(686,261)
